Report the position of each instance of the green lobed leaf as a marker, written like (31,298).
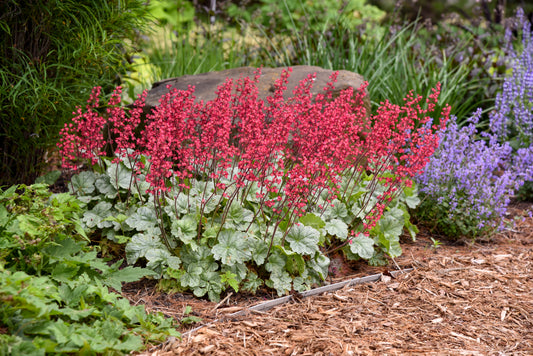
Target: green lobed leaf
(140,244)
(232,247)
(143,219)
(281,281)
(96,217)
(337,228)
(362,246)
(185,228)
(104,186)
(312,220)
(303,239)
(83,183)
(120,176)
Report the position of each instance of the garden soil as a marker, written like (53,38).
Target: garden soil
(459,299)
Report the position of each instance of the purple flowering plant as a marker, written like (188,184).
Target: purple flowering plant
(469,182)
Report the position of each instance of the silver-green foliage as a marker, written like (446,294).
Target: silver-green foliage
(201,240)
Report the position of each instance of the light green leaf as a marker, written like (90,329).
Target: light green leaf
(232,247)
(318,265)
(158,259)
(185,229)
(140,244)
(303,239)
(83,183)
(411,198)
(336,210)
(96,217)
(104,186)
(312,220)
(237,216)
(281,281)
(120,176)
(143,219)
(276,262)
(391,227)
(259,249)
(229,278)
(337,228)
(363,246)
(126,275)
(210,203)
(252,282)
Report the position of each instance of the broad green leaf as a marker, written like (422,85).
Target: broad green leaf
(229,278)
(259,250)
(411,198)
(337,228)
(232,247)
(104,186)
(252,282)
(281,281)
(362,245)
(30,224)
(126,275)
(97,215)
(303,239)
(337,210)
(391,227)
(49,178)
(276,262)
(120,176)
(185,228)
(143,219)
(8,192)
(179,205)
(83,183)
(202,257)
(319,266)
(239,269)
(312,220)
(237,216)
(209,204)
(157,259)
(140,244)
(392,247)
(295,264)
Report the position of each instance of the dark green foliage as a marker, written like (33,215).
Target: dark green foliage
(51,53)
(54,289)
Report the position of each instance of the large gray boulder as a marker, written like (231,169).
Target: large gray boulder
(206,84)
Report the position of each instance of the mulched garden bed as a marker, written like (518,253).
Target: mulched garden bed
(460,299)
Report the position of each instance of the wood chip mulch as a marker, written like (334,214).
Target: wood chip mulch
(460,299)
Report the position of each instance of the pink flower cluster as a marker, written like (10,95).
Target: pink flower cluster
(294,150)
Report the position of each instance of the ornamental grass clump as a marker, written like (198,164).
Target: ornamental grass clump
(238,191)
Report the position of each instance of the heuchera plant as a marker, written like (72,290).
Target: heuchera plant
(237,188)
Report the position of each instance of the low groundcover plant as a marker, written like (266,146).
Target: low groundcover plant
(237,191)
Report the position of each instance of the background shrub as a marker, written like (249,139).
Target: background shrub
(51,53)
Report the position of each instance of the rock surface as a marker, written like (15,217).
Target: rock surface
(207,83)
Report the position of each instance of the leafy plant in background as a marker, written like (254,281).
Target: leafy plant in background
(54,289)
(51,52)
(239,191)
(289,16)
